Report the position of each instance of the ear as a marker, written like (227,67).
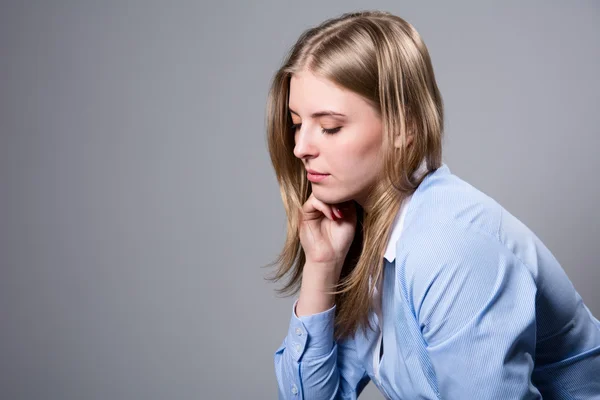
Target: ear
(409,139)
(410,130)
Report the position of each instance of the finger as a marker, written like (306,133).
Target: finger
(345,206)
(313,207)
(347,209)
(337,211)
(324,208)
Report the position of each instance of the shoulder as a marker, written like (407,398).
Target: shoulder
(449,275)
(451,215)
(444,199)
(451,241)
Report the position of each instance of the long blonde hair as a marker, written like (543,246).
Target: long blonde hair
(382,58)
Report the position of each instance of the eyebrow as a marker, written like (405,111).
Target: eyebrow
(321,113)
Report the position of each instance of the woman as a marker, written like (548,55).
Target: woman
(408,276)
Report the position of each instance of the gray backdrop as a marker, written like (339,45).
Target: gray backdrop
(137,199)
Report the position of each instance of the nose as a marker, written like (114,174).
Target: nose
(304,143)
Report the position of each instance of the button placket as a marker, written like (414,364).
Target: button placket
(387,308)
(299,340)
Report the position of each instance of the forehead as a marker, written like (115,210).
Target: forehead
(309,92)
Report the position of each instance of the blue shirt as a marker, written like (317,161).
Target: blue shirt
(474,307)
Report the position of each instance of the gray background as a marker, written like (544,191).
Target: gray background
(137,200)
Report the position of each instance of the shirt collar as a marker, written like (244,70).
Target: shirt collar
(390,251)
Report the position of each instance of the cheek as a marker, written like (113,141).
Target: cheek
(357,161)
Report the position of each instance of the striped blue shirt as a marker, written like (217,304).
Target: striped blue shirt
(474,306)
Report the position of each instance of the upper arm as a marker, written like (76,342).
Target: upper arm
(474,302)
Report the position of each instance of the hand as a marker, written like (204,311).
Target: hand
(327,231)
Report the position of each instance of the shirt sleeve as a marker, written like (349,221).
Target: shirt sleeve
(310,364)
(474,302)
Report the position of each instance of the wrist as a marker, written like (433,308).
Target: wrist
(318,281)
(321,275)
(310,303)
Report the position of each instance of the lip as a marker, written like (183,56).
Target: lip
(316,177)
(312,171)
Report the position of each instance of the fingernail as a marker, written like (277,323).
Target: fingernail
(340,213)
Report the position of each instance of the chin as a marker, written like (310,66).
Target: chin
(330,197)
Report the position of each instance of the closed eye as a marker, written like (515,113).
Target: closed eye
(331,131)
(324,130)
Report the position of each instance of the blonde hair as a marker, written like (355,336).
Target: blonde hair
(382,58)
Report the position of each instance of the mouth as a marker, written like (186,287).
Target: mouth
(314,177)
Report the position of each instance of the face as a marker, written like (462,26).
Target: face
(346,146)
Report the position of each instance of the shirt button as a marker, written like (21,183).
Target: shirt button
(298,332)
(294,389)
(297,347)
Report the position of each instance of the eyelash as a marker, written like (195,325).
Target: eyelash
(324,130)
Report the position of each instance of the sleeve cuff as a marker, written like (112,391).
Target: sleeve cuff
(311,336)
